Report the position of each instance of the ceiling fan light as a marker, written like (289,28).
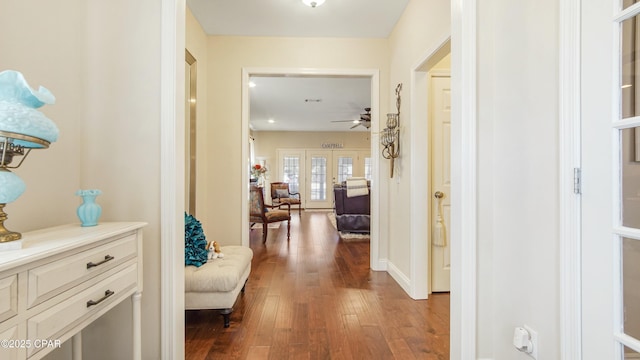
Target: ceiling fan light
(313,3)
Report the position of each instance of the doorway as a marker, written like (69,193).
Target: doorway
(375,262)
(440,139)
(422,199)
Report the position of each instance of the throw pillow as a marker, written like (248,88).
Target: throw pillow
(282,193)
(195,243)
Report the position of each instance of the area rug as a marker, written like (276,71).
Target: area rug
(346,236)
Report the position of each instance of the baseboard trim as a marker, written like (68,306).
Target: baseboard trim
(380,265)
(399,277)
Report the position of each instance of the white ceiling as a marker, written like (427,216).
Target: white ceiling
(335,18)
(292,103)
(283,98)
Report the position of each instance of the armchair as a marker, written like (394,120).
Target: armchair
(280,195)
(259,213)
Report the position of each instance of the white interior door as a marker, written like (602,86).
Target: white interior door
(611,181)
(441,181)
(319,182)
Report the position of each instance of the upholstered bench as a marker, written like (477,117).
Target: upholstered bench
(217,283)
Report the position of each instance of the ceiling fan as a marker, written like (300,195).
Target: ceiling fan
(365,119)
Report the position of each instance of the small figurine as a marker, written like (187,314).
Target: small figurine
(214,251)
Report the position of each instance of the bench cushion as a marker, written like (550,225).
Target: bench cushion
(219,275)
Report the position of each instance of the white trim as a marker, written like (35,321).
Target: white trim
(628,341)
(420,211)
(570,203)
(420,184)
(627,13)
(172,179)
(463,177)
(244,155)
(616,189)
(399,277)
(376,263)
(627,232)
(626,123)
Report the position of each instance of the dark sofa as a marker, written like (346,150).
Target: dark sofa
(352,213)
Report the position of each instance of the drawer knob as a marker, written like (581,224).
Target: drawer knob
(106,258)
(107,293)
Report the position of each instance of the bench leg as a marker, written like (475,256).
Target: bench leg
(226,313)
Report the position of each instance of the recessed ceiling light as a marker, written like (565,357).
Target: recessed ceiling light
(271,121)
(313,3)
(252,84)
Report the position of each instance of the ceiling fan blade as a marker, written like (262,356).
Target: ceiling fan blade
(342,120)
(354,126)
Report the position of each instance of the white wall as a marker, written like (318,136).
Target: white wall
(42,41)
(518,275)
(267,142)
(226,57)
(101,61)
(423,26)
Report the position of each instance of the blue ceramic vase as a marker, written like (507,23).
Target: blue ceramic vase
(89,211)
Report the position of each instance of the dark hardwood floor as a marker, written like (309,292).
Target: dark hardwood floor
(315,297)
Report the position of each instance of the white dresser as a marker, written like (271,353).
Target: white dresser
(64,278)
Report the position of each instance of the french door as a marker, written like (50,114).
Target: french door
(351,163)
(611,178)
(312,172)
(320,179)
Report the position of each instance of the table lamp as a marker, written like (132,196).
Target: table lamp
(22,128)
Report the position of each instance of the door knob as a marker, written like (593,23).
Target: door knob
(438,194)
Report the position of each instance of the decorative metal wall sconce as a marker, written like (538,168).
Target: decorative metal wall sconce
(390,136)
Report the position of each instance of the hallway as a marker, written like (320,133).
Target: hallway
(315,298)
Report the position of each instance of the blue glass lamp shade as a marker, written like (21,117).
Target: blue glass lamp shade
(18,114)
(22,128)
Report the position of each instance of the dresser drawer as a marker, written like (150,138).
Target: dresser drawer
(53,322)
(8,297)
(12,346)
(53,278)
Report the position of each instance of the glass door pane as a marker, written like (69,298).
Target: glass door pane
(630,354)
(291,172)
(345,168)
(627,3)
(367,168)
(291,169)
(631,286)
(629,66)
(630,177)
(319,179)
